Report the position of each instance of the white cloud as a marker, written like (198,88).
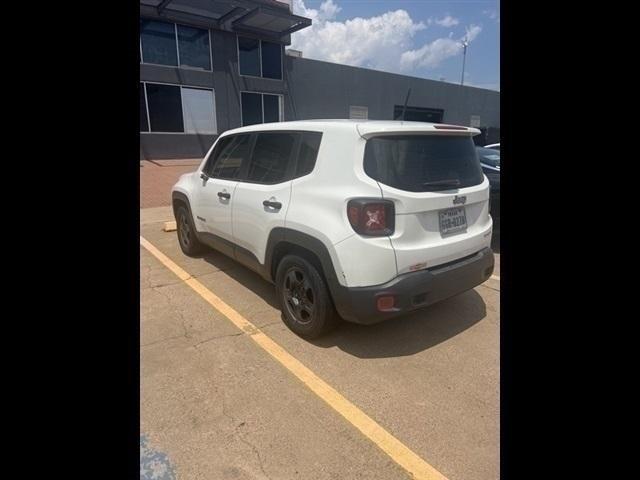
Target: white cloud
(432,54)
(492,14)
(383,42)
(447,21)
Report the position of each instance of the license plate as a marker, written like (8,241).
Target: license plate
(452,220)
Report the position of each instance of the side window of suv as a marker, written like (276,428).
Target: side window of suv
(271,156)
(309,146)
(211,161)
(229,157)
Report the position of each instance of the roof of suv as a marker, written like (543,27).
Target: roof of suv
(362,127)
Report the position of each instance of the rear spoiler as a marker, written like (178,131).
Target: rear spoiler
(368,130)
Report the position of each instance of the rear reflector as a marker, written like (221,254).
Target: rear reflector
(449,127)
(386,303)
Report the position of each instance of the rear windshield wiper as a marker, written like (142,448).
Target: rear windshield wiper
(454,182)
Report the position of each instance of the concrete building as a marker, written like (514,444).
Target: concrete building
(207,66)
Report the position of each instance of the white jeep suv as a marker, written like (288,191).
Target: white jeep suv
(362,220)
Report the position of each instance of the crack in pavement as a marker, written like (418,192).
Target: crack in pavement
(162,285)
(185,334)
(238,334)
(173,307)
(160,341)
(176,310)
(236,427)
(147,278)
(216,337)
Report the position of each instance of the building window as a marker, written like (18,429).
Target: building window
(249,56)
(418,114)
(163,43)
(198,110)
(258,58)
(193,47)
(272,60)
(158,41)
(176,109)
(260,108)
(165,108)
(271,105)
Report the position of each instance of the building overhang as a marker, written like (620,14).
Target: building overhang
(263,21)
(270,19)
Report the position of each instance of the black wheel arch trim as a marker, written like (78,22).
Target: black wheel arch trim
(303,240)
(182,197)
(339,293)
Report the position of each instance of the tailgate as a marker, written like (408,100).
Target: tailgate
(430,229)
(440,194)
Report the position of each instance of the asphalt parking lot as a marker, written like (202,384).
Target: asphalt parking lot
(217,405)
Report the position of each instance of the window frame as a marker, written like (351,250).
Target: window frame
(213,105)
(280,106)
(259,56)
(144,82)
(148,110)
(175,36)
(189,67)
(281,46)
(175,32)
(292,166)
(211,162)
(143,91)
(371,163)
(281,79)
(206,168)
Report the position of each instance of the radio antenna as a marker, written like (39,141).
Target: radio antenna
(406,100)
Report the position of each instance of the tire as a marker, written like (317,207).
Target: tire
(306,305)
(187,238)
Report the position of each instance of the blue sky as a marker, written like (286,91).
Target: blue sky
(421,38)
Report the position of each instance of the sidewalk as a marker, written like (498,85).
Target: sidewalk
(158,176)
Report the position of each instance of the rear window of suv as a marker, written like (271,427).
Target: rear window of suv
(423,163)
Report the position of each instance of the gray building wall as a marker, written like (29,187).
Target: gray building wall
(326,90)
(311,89)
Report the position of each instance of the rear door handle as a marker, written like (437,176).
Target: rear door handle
(224,195)
(276,205)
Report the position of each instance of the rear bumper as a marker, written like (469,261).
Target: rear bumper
(415,290)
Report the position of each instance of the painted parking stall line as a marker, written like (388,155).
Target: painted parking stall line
(418,468)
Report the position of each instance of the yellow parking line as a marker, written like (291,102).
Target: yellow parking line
(400,453)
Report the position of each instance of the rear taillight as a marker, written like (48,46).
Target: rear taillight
(371,217)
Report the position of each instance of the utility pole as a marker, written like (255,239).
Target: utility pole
(465,44)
